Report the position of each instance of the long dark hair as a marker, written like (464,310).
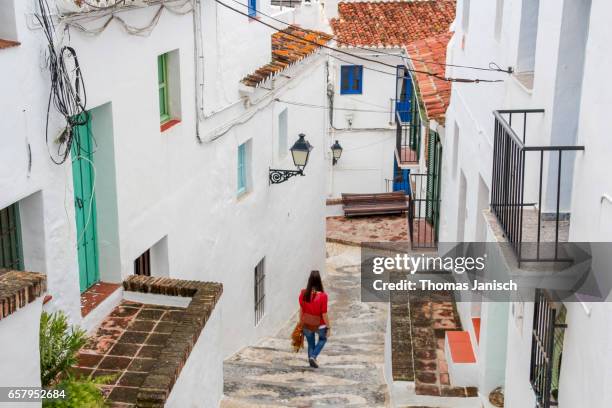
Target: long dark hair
(314,282)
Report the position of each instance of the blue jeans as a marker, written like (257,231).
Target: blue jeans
(314,347)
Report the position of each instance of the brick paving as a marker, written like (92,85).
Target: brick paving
(126,346)
(431,315)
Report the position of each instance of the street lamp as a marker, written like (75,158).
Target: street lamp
(300,151)
(336,152)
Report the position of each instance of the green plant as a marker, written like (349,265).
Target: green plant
(82,392)
(59,345)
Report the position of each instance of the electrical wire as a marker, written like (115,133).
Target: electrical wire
(116,4)
(431,74)
(309,105)
(492,65)
(143,31)
(67,95)
(369,68)
(91,199)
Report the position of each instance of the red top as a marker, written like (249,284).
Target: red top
(317,305)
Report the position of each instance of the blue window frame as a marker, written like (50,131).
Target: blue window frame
(242,169)
(252,8)
(351,79)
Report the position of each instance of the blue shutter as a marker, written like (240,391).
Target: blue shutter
(252,8)
(351,79)
(357,78)
(242,185)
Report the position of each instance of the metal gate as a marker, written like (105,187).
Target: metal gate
(423,212)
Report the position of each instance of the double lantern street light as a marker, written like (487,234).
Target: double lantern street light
(300,151)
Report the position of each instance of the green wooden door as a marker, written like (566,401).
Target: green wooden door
(83,173)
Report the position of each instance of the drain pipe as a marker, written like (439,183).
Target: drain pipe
(198,56)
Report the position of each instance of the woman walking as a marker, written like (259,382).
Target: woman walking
(313,316)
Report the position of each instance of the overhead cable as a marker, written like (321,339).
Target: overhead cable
(309,105)
(143,31)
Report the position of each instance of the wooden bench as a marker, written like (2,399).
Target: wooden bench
(374,204)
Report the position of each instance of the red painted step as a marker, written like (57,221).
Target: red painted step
(460,347)
(476,323)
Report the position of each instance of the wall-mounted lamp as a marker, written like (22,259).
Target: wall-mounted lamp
(336,152)
(300,151)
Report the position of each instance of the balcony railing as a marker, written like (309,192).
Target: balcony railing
(287,3)
(533,233)
(408,131)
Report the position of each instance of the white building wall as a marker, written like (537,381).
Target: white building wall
(166,186)
(585,370)
(558,84)
(19,333)
(196,387)
(363,124)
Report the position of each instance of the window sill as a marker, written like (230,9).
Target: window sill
(524,80)
(168,124)
(243,195)
(8,44)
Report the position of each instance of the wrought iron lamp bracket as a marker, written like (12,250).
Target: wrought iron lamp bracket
(278,176)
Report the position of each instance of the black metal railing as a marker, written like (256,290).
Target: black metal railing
(546,349)
(423,212)
(408,131)
(259,286)
(510,201)
(406,144)
(286,3)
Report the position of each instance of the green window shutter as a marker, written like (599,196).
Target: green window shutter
(242,177)
(11,252)
(434,167)
(162,82)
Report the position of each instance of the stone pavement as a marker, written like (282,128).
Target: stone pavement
(351,364)
(357,230)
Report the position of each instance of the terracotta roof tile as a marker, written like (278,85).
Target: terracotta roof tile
(391,23)
(434,92)
(287,50)
(422,27)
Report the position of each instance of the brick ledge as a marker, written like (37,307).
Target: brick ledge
(204,296)
(18,288)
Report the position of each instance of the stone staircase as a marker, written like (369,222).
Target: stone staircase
(270,374)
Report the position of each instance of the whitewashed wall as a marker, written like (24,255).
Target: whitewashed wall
(19,335)
(363,125)
(165,186)
(558,84)
(586,353)
(201,381)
